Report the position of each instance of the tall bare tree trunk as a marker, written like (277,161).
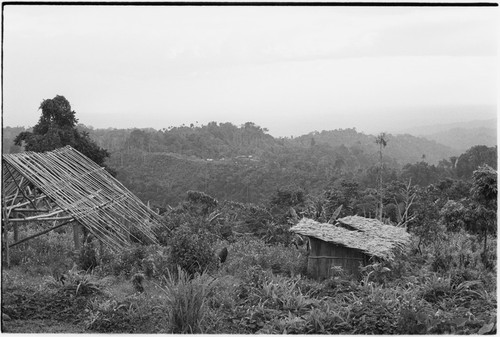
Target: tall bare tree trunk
(382,142)
(381,203)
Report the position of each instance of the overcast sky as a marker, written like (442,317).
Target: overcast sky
(292,70)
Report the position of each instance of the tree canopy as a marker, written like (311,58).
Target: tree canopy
(474,157)
(57,128)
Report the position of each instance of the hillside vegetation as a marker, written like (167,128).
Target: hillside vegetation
(222,258)
(444,282)
(226,260)
(246,164)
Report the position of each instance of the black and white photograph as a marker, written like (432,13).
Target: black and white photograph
(249,167)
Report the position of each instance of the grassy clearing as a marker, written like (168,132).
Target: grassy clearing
(259,289)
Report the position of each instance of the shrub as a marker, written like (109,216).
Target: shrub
(157,262)
(110,316)
(192,251)
(129,260)
(377,271)
(81,284)
(373,310)
(285,294)
(455,216)
(205,202)
(87,257)
(253,278)
(436,288)
(153,261)
(278,258)
(459,251)
(223,293)
(412,320)
(134,314)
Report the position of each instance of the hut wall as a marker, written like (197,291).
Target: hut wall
(324,255)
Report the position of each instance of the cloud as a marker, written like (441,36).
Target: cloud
(261,61)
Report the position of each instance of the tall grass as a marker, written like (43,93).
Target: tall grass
(186,299)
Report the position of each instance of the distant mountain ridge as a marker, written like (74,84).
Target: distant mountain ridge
(438,128)
(460,136)
(463,139)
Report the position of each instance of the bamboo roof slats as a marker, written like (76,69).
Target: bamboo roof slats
(81,189)
(367,235)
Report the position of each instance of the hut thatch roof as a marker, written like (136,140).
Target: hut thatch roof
(81,190)
(370,236)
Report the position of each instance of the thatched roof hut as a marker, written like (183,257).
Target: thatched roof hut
(352,241)
(64,186)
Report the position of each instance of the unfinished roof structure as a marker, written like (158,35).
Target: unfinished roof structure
(64,186)
(369,236)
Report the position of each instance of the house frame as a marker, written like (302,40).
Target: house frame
(64,187)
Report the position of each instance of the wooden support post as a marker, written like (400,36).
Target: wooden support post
(6,242)
(16,232)
(5,228)
(101,249)
(77,236)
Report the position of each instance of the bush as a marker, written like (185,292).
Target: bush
(192,251)
(277,258)
(458,251)
(133,314)
(111,316)
(435,288)
(87,257)
(129,260)
(223,293)
(413,320)
(153,261)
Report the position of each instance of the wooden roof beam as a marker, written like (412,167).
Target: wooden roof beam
(40,233)
(31,219)
(25,203)
(18,186)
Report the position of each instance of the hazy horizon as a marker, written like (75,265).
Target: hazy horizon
(292,70)
(466,118)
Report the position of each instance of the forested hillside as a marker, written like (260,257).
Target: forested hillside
(8,135)
(246,164)
(402,148)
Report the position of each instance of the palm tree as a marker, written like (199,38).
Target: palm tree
(381,140)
